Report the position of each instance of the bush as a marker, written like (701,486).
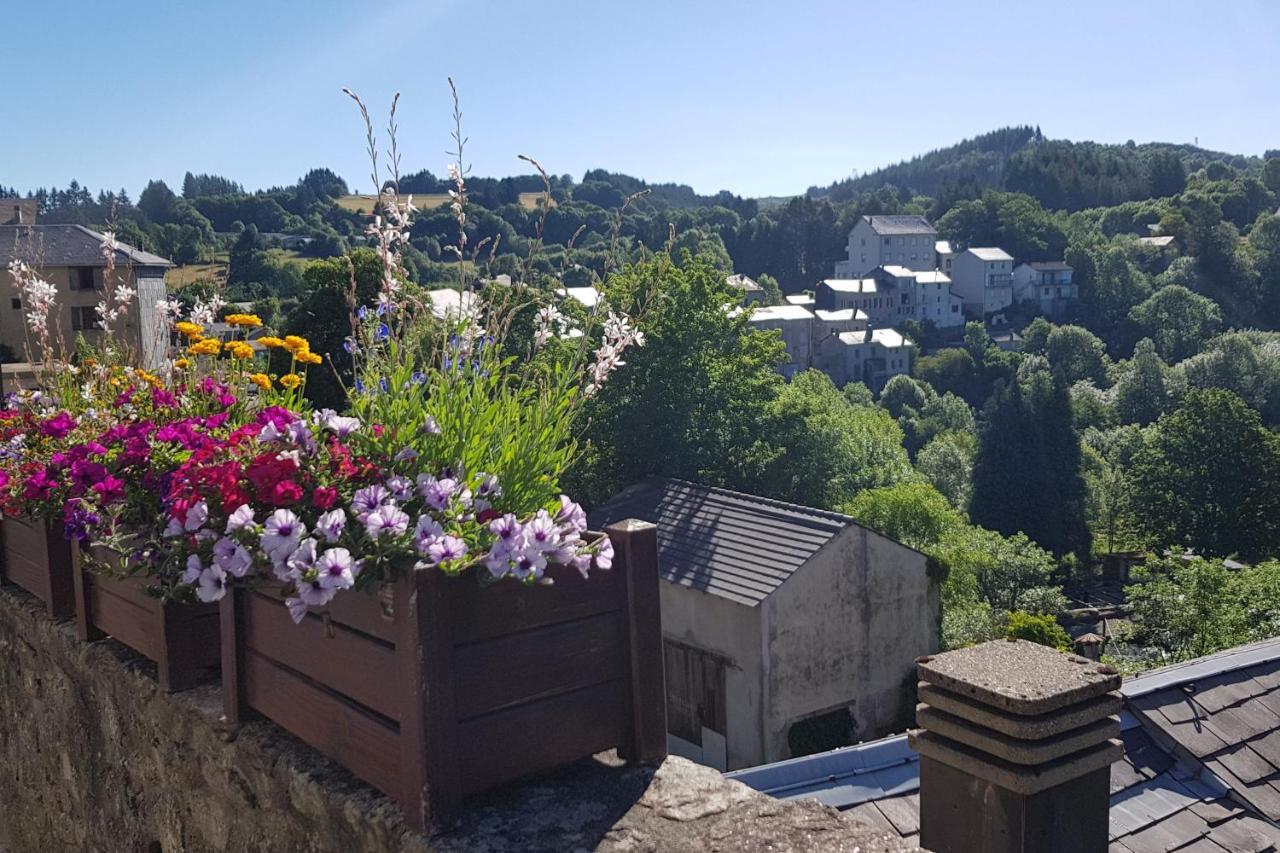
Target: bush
(1044,630)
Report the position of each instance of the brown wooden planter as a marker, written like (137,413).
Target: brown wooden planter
(182,639)
(36,557)
(441,688)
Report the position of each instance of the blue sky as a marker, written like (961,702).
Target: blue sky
(758,98)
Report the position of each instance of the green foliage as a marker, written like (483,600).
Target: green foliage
(946,463)
(1041,629)
(772,293)
(1178,321)
(1209,478)
(1076,354)
(1029,458)
(914,514)
(1013,221)
(1145,387)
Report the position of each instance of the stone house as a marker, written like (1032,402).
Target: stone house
(841,342)
(70,257)
(795,322)
(922,295)
(876,241)
(786,628)
(752,292)
(983,279)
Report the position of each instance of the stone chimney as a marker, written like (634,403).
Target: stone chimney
(1089,646)
(1016,743)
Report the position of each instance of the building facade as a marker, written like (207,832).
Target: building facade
(842,342)
(924,296)
(983,279)
(1048,286)
(780,622)
(875,241)
(71,258)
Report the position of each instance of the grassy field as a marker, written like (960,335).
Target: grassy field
(429,201)
(215,271)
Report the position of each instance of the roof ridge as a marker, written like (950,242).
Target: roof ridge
(815,511)
(1233,659)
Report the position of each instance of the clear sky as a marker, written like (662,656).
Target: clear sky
(758,98)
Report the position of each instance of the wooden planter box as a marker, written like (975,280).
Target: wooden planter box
(442,688)
(182,639)
(36,557)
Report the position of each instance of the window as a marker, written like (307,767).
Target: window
(15,303)
(84,318)
(82,278)
(864,241)
(955,309)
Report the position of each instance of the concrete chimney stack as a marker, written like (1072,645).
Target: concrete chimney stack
(1016,743)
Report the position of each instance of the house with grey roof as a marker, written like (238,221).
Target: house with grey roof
(1200,770)
(1048,285)
(71,258)
(749,288)
(906,240)
(983,279)
(786,628)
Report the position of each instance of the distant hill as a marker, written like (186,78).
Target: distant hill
(1060,173)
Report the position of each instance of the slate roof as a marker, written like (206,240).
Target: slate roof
(991,253)
(66,246)
(1195,776)
(765,313)
(1050,266)
(737,546)
(899,224)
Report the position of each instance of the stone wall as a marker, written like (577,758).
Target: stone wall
(94,758)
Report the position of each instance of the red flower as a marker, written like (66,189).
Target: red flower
(284,493)
(324,497)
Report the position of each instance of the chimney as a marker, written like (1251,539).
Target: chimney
(1089,646)
(1016,745)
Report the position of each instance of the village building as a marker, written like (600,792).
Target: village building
(983,279)
(922,295)
(1046,285)
(908,241)
(752,292)
(786,628)
(71,258)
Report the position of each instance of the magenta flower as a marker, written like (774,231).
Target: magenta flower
(59,426)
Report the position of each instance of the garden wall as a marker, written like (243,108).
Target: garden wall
(93,757)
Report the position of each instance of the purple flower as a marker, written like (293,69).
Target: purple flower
(430,427)
(366,500)
(336,569)
(386,519)
(297,609)
(401,488)
(281,535)
(427,531)
(604,553)
(489,487)
(541,532)
(445,549)
(300,434)
(331,524)
(314,595)
(341,426)
(571,515)
(196,517)
(240,519)
(300,562)
(529,562)
(212,584)
(230,556)
(437,492)
(194,568)
(507,529)
(408,454)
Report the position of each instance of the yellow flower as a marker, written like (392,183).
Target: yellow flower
(262,380)
(191,330)
(182,363)
(295,344)
(249,321)
(270,342)
(239,349)
(309,357)
(207,346)
(291,380)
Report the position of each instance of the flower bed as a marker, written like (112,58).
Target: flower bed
(441,688)
(37,558)
(181,638)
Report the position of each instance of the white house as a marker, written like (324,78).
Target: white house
(786,629)
(983,279)
(924,296)
(874,356)
(796,324)
(862,294)
(875,241)
(751,291)
(1046,285)
(944,255)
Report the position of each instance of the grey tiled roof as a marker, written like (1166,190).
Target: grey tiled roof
(730,544)
(900,224)
(1199,772)
(66,246)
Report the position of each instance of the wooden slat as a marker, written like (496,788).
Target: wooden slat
(507,606)
(636,547)
(359,610)
(126,620)
(130,589)
(26,560)
(543,735)
(365,745)
(515,668)
(351,664)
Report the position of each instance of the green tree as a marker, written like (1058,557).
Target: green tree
(1027,475)
(772,293)
(946,463)
(1145,388)
(1076,354)
(1209,478)
(1178,321)
(1044,630)
(1184,608)
(914,514)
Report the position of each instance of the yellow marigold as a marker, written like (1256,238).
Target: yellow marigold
(262,380)
(308,357)
(291,380)
(295,344)
(249,321)
(207,346)
(271,342)
(239,349)
(191,330)
(182,363)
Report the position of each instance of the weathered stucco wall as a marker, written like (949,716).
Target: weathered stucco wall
(731,630)
(847,631)
(94,758)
